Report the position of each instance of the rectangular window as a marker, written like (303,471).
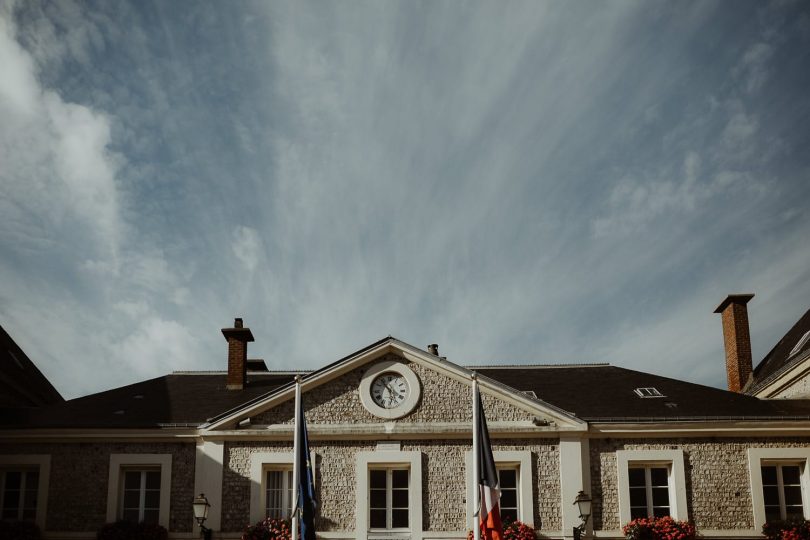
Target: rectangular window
(782,491)
(649,491)
(388,498)
(278,485)
(509,480)
(18,494)
(140,497)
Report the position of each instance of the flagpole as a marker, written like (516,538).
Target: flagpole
(296,472)
(476,465)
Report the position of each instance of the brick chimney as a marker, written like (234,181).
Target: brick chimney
(737,340)
(237,338)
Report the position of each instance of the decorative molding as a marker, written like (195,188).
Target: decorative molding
(677,479)
(413,459)
(43,461)
(118,461)
(404,408)
(520,458)
(755,458)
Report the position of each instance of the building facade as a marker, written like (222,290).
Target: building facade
(390,436)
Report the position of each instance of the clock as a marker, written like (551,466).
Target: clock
(389,390)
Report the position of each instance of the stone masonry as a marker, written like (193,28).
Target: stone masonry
(79,476)
(717,480)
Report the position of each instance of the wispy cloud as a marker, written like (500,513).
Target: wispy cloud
(546,182)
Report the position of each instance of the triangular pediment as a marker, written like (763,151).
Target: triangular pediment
(341,400)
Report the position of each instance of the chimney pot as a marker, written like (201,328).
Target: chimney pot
(433,349)
(237,338)
(736,340)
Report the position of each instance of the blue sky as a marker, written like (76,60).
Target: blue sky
(520,182)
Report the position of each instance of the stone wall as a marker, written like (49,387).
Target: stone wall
(717,481)
(77,492)
(443,400)
(443,480)
(798,389)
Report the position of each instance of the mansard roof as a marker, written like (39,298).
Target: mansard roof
(593,393)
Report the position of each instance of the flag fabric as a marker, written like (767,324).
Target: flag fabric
(489,493)
(306,503)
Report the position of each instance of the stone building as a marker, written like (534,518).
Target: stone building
(390,433)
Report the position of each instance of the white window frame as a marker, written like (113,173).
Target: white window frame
(43,463)
(286,487)
(119,463)
(519,459)
(757,457)
(677,479)
(260,463)
(648,486)
(141,489)
(365,461)
(389,506)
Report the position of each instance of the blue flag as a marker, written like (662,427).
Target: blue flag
(306,482)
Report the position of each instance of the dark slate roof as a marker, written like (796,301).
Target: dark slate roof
(591,392)
(176,400)
(779,360)
(607,393)
(21,383)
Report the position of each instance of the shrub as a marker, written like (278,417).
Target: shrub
(19,530)
(661,528)
(126,530)
(792,529)
(514,530)
(268,529)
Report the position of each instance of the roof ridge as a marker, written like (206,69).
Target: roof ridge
(542,366)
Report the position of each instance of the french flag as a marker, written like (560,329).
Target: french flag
(489,493)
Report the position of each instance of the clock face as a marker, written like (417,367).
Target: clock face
(389,390)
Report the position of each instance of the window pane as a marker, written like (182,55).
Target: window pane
(508,514)
(132,499)
(790,475)
(377,498)
(150,516)
(152,499)
(636,477)
(13,480)
(661,512)
(377,519)
(32,479)
(660,496)
(772,513)
(638,512)
(659,476)
(132,480)
(153,480)
(399,498)
(508,478)
(794,511)
(793,495)
(771,495)
(130,515)
(509,498)
(769,476)
(11,500)
(399,518)
(638,497)
(29,514)
(399,479)
(30,498)
(377,479)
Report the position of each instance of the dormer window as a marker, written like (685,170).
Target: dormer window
(800,344)
(648,392)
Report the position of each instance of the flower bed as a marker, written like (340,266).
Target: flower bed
(515,530)
(663,528)
(268,529)
(797,529)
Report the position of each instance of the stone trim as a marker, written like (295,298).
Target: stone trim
(756,456)
(523,460)
(677,479)
(414,389)
(43,461)
(414,460)
(208,480)
(117,461)
(260,462)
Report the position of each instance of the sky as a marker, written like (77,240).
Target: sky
(519,182)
